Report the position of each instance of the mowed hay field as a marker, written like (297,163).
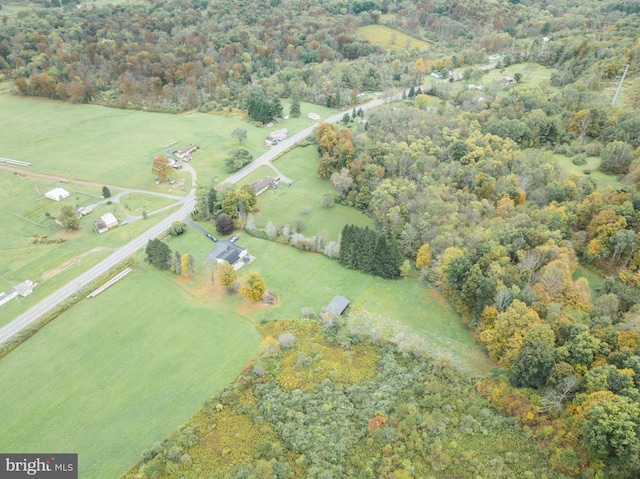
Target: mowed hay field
(389,38)
(117,147)
(116,373)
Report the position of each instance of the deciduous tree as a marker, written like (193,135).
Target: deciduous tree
(254,287)
(161,167)
(68,218)
(226,275)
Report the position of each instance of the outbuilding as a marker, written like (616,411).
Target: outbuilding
(57,194)
(337,305)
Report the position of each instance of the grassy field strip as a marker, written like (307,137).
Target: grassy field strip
(109,385)
(117,146)
(389,38)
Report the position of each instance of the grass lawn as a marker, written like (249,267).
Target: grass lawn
(389,38)
(602,179)
(303,279)
(286,203)
(594,278)
(117,147)
(109,382)
(52,265)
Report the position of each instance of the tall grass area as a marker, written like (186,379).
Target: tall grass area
(113,375)
(116,147)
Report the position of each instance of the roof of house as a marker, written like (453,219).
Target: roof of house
(109,220)
(261,185)
(231,253)
(337,305)
(101,226)
(25,288)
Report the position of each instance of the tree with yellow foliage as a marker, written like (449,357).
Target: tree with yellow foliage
(423,258)
(254,288)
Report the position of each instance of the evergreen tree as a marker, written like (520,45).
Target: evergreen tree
(412,92)
(158,254)
(294,107)
(259,107)
(211,201)
(275,108)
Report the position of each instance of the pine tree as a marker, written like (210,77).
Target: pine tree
(158,254)
(211,201)
(294,107)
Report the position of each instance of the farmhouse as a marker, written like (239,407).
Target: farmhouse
(23,289)
(106,222)
(231,254)
(186,151)
(263,185)
(337,305)
(506,81)
(276,136)
(57,194)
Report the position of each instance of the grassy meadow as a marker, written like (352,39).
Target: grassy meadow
(389,38)
(303,199)
(114,374)
(116,147)
(603,180)
(52,264)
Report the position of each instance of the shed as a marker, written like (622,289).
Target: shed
(313,116)
(337,305)
(57,194)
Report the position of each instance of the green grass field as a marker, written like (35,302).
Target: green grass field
(117,147)
(53,265)
(389,38)
(602,179)
(117,372)
(286,203)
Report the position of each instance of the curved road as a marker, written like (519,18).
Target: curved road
(51,301)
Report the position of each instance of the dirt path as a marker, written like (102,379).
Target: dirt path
(67,264)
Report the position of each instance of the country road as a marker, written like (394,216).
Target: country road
(71,288)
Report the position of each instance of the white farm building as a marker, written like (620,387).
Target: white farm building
(57,194)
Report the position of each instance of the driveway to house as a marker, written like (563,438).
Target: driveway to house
(188,205)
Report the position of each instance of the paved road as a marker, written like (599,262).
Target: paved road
(50,302)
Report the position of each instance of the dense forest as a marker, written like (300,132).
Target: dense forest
(466,182)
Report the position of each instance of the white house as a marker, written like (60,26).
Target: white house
(57,194)
(313,116)
(106,222)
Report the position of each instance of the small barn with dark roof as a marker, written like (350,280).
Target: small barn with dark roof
(337,305)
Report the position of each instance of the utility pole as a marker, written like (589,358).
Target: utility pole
(615,97)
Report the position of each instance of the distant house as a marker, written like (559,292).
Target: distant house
(23,289)
(495,57)
(313,116)
(231,254)
(57,194)
(263,185)
(276,136)
(506,81)
(186,151)
(337,305)
(106,222)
